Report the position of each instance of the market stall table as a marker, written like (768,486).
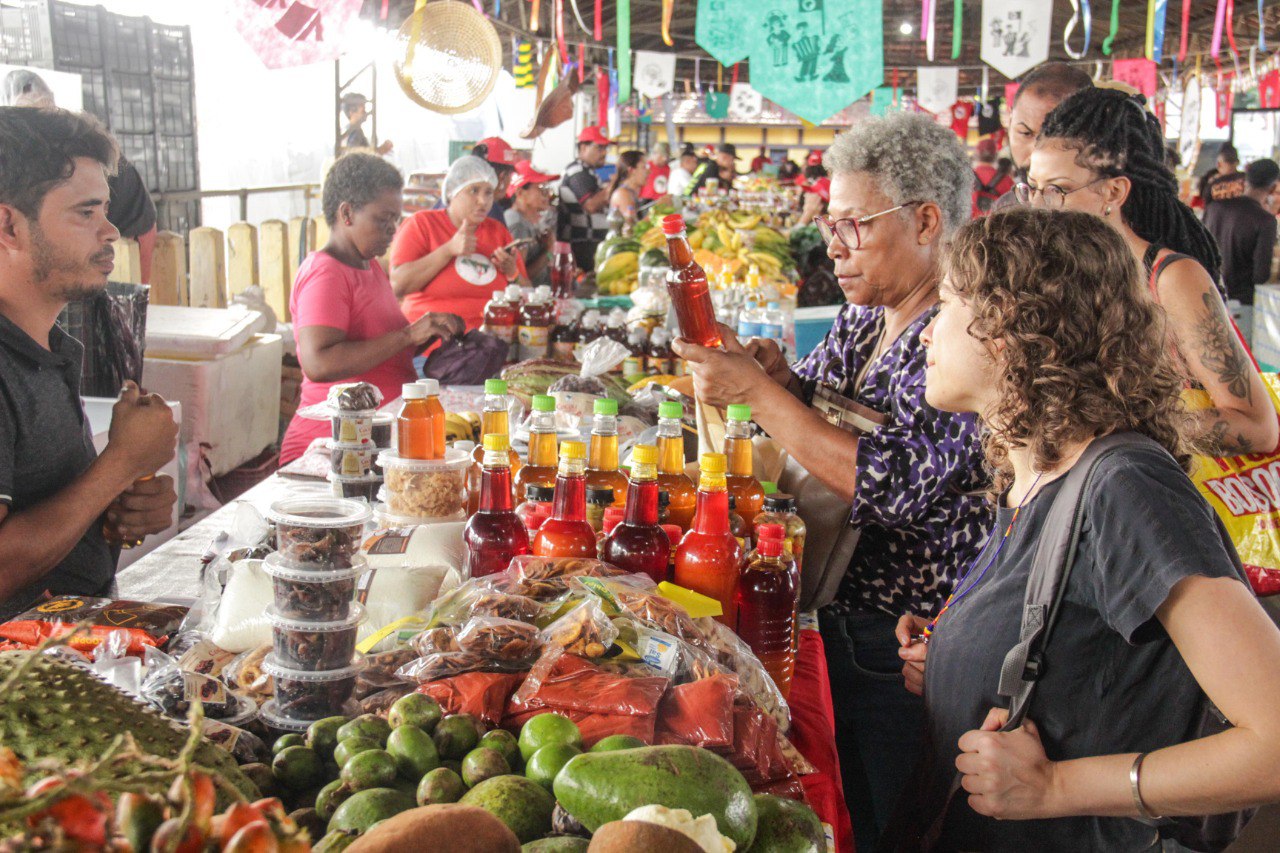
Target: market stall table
(173,573)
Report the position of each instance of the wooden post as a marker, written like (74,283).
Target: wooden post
(208,267)
(302,239)
(322,233)
(242,258)
(128,265)
(169,270)
(273,266)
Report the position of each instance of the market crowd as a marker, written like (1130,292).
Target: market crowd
(1000,321)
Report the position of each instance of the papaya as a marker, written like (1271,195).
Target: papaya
(600,787)
(787,826)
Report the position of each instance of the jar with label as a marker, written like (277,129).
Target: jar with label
(598,500)
(533,334)
(500,321)
(780,508)
(634,365)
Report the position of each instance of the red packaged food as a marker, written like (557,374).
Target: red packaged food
(484,695)
(594,727)
(791,788)
(699,713)
(564,682)
(145,623)
(756,751)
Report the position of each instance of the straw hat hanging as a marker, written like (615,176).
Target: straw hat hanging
(447,56)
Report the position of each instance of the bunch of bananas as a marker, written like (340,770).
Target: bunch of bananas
(462,426)
(618,274)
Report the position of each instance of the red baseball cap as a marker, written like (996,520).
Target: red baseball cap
(498,151)
(820,188)
(594,134)
(526,175)
(815,158)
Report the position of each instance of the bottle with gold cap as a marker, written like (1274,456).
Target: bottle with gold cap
(744,488)
(639,544)
(495,533)
(709,558)
(567,533)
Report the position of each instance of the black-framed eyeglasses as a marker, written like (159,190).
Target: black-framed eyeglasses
(1048,196)
(850,230)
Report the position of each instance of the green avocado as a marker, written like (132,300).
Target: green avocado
(557,845)
(599,787)
(365,808)
(524,806)
(787,826)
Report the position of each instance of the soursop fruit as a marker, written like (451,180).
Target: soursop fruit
(63,711)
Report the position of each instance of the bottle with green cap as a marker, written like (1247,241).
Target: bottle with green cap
(567,533)
(493,421)
(540,469)
(602,462)
(494,534)
(638,544)
(743,486)
(681,492)
(709,558)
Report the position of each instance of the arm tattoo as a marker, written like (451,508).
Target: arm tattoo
(1217,441)
(1219,351)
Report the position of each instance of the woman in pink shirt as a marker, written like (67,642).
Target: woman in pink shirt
(346,320)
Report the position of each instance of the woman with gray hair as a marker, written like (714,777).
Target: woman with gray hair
(452,261)
(853,415)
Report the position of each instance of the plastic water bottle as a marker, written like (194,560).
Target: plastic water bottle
(771,323)
(749,321)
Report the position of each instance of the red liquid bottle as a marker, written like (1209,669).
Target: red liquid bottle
(500,321)
(687,284)
(709,558)
(768,595)
(744,488)
(567,533)
(564,272)
(495,533)
(494,420)
(638,544)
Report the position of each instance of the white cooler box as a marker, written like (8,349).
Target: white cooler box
(230,399)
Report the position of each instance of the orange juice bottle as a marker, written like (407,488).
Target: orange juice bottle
(709,558)
(420,425)
(744,488)
(540,469)
(602,463)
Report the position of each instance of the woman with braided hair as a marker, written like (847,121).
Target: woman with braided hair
(1101,152)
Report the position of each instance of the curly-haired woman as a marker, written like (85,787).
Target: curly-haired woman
(1101,152)
(1046,332)
(346,320)
(900,186)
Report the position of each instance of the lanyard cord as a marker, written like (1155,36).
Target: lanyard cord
(962,588)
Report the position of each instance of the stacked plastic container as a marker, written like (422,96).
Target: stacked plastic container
(314,618)
(358,439)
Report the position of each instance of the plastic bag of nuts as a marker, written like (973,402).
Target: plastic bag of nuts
(499,639)
(584,631)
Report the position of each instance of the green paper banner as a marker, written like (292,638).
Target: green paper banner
(813,57)
(881,100)
(624,51)
(718,31)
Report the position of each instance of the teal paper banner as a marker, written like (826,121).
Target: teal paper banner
(813,57)
(881,100)
(718,31)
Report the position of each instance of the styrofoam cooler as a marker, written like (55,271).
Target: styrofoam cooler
(812,325)
(229,386)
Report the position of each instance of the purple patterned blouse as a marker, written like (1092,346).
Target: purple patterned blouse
(918,476)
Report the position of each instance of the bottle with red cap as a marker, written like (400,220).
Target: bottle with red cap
(639,545)
(767,600)
(687,285)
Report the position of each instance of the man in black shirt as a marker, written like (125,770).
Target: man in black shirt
(57,496)
(1245,228)
(582,219)
(356,108)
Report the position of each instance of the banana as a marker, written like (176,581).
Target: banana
(695,240)
(725,234)
(619,264)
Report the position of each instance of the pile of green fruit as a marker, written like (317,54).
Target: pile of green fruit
(348,775)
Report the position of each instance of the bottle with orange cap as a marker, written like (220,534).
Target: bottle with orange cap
(709,559)
(567,533)
(639,544)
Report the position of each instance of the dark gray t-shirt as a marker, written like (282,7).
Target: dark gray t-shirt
(45,444)
(523,229)
(1114,682)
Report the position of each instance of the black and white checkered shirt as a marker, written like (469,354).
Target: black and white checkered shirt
(575,224)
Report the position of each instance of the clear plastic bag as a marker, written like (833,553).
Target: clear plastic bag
(753,680)
(379,671)
(598,358)
(478,597)
(699,713)
(173,691)
(448,664)
(246,676)
(548,578)
(435,640)
(585,630)
(499,639)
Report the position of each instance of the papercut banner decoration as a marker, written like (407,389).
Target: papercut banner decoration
(745,103)
(1138,73)
(1269,90)
(655,73)
(881,100)
(1015,34)
(936,87)
(287,33)
(1189,127)
(813,57)
(717,105)
(718,31)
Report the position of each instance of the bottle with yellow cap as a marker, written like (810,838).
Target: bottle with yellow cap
(567,533)
(709,558)
(639,544)
(495,533)
(494,420)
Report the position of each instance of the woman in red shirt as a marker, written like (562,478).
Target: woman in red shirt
(346,321)
(453,260)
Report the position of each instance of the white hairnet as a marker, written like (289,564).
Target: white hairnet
(466,171)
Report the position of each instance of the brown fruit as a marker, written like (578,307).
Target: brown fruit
(470,830)
(255,837)
(635,836)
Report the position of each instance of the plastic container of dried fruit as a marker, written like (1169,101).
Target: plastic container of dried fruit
(303,592)
(325,691)
(426,488)
(362,488)
(327,643)
(271,716)
(326,532)
(352,427)
(383,517)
